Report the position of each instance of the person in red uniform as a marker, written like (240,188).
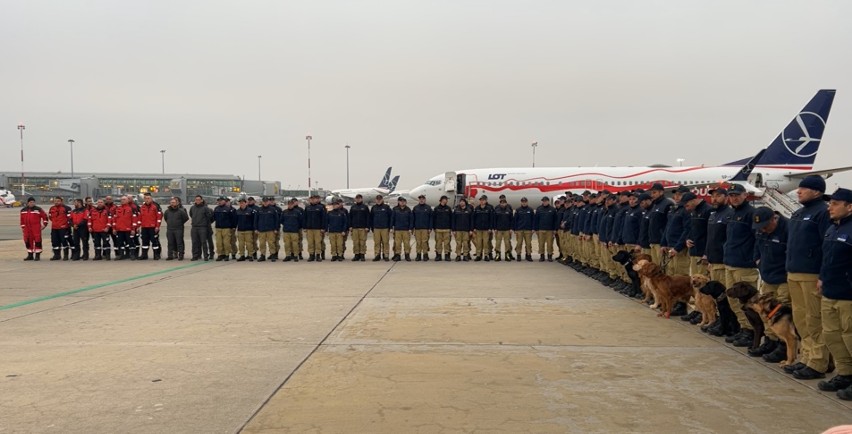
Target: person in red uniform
(125,221)
(60,229)
(33,221)
(79,231)
(100,223)
(150,218)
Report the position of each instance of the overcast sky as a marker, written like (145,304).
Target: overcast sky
(424,86)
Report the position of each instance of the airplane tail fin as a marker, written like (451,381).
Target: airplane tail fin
(392,184)
(386,179)
(743,174)
(798,143)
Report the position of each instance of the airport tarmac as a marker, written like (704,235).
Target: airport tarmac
(215,347)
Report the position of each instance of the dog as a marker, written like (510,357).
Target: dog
(728,324)
(625,258)
(668,289)
(747,294)
(703,302)
(779,316)
(645,284)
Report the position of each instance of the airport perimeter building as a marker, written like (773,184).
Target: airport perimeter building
(44,185)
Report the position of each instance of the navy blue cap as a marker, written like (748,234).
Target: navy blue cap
(762,217)
(545,199)
(682,189)
(737,189)
(813,182)
(644,196)
(720,190)
(657,186)
(688,196)
(842,194)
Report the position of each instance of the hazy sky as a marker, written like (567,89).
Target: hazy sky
(424,86)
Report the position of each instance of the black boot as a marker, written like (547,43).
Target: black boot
(357,257)
(447,257)
(312,258)
(144,255)
(75,256)
(243,258)
(156,254)
(363,257)
(549,258)
(180,256)
(498,257)
(85,254)
(98,256)
(458,258)
(385,258)
(408,257)
(377,258)
(56,255)
(322,255)
(541,258)
(425,257)
(438,257)
(418,258)
(37,256)
(65,254)
(488,258)
(396,258)
(171,256)
(107,254)
(529,258)
(262,258)
(29,257)
(510,257)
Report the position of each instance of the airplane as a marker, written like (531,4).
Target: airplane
(780,166)
(386,186)
(7,199)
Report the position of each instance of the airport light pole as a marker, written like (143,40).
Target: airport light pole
(21,128)
(680,161)
(347,165)
(309,138)
(163,160)
(71,142)
(258,167)
(534,145)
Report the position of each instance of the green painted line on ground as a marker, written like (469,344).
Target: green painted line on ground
(99,285)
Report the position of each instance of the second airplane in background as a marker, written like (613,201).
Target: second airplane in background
(386,187)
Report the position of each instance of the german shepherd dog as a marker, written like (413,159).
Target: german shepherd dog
(747,294)
(780,319)
(728,324)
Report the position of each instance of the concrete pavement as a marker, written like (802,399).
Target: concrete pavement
(367,347)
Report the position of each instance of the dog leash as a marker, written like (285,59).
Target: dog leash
(664,262)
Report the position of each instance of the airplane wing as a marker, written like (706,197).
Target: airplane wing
(827,172)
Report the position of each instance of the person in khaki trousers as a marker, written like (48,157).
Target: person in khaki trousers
(359,226)
(771,255)
(739,258)
(699,211)
(462,230)
(422,228)
(503,217)
(483,226)
(545,223)
(292,224)
(245,234)
(380,224)
(808,226)
(225,218)
(442,224)
(402,225)
(316,221)
(266,224)
(835,285)
(338,224)
(522,224)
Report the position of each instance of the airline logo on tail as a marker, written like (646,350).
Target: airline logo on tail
(392,184)
(797,136)
(386,179)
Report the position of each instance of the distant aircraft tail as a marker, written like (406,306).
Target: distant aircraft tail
(798,143)
(743,174)
(386,179)
(392,184)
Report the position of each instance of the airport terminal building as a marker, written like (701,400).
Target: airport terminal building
(44,185)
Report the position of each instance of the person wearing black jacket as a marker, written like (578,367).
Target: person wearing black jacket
(442,224)
(483,225)
(644,241)
(175,217)
(245,234)
(462,229)
(201,217)
(544,223)
(225,218)
(316,222)
(380,224)
(770,253)
(338,224)
(522,224)
(699,211)
(503,217)
(422,228)
(673,243)
(266,223)
(359,224)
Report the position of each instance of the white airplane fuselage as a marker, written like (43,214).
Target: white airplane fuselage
(537,182)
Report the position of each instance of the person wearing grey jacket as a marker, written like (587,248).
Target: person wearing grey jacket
(202,217)
(175,217)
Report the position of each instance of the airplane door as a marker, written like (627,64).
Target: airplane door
(461,183)
(450,182)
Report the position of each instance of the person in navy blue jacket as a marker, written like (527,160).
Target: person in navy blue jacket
(770,253)
(522,224)
(225,218)
(422,228)
(699,215)
(835,284)
(462,229)
(739,257)
(380,224)
(245,234)
(674,238)
(483,225)
(266,222)
(808,226)
(581,213)
(316,221)
(292,223)
(338,224)
(402,224)
(544,223)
